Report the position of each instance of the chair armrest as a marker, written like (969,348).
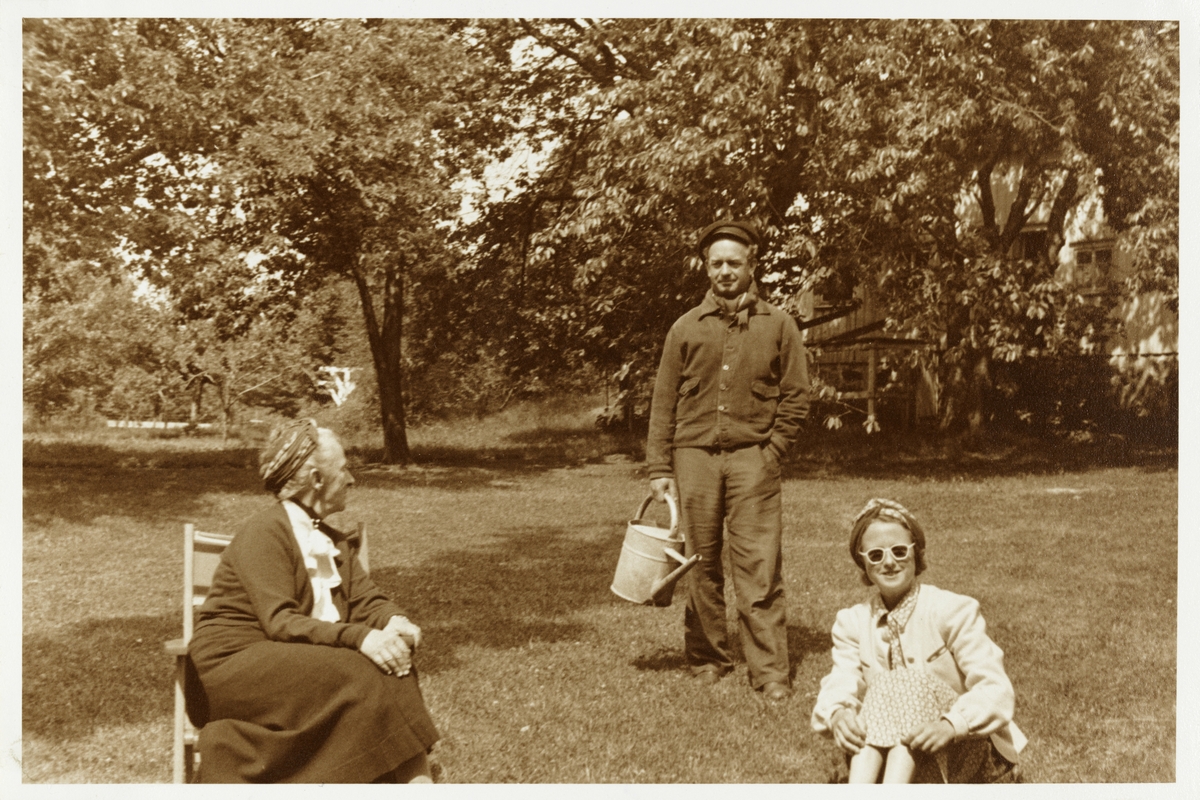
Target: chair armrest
(175,647)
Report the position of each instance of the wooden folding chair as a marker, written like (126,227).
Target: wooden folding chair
(201,554)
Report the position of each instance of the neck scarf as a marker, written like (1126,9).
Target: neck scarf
(896,620)
(319,553)
(739,308)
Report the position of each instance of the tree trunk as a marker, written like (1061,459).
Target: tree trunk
(197,399)
(385,340)
(980,383)
(391,407)
(226,402)
(965,388)
(1064,201)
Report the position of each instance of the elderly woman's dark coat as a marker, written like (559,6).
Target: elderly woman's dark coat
(289,698)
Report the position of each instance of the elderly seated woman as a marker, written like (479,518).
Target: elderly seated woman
(305,666)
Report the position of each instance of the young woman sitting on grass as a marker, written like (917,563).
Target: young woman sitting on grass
(917,688)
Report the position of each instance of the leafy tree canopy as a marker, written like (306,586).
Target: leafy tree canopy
(855,144)
(241,163)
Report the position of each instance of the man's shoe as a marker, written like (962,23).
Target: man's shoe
(707,677)
(775,692)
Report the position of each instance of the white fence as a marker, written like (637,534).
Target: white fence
(125,423)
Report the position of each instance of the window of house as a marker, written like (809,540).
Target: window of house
(1092,263)
(1033,244)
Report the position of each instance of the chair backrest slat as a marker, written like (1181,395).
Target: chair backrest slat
(202,552)
(364,554)
(206,549)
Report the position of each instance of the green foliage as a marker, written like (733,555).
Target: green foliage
(91,348)
(854,143)
(1139,155)
(1085,396)
(94,348)
(242,167)
(241,164)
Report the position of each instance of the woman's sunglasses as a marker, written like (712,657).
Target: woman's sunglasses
(900,552)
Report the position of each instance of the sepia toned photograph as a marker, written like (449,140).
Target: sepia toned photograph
(593,400)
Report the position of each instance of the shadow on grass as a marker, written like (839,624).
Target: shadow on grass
(98,672)
(530,458)
(144,460)
(897,458)
(81,494)
(526,450)
(460,477)
(664,659)
(802,643)
(137,453)
(818,453)
(531,584)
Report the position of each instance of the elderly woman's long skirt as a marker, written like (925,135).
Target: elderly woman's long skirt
(306,713)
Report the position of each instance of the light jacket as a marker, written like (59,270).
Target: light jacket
(946,635)
(723,385)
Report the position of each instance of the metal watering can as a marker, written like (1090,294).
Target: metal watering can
(651,560)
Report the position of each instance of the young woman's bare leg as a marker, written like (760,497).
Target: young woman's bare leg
(865,764)
(900,765)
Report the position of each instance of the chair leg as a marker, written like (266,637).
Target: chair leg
(180,754)
(189,759)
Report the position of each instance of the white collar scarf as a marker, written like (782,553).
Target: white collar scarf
(896,621)
(318,551)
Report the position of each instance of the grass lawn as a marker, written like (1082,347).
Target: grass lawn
(535,672)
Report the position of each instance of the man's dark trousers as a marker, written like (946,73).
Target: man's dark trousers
(741,486)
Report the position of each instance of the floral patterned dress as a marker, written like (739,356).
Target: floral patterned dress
(902,698)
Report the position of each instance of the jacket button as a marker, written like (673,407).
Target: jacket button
(725,367)
(720,408)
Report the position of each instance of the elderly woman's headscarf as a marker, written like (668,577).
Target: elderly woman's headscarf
(286,451)
(890,510)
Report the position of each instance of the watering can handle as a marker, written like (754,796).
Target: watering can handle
(670,504)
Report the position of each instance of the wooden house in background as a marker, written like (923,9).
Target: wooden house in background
(849,343)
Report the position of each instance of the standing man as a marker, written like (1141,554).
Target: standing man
(731,393)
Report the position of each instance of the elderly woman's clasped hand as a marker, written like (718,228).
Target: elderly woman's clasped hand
(391,649)
(407,630)
(388,651)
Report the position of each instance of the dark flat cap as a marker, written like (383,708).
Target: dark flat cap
(741,230)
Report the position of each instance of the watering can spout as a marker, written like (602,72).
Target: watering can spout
(666,583)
